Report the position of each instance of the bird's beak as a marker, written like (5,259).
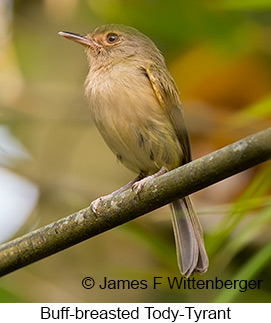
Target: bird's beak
(79,39)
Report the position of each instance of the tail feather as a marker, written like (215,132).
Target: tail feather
(191,253)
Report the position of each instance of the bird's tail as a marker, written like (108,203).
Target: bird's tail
(191,253)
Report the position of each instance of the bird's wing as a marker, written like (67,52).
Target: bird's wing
(166,93)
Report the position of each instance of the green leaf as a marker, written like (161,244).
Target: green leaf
(250,270)
(249,201)
(252,113)
(245,4)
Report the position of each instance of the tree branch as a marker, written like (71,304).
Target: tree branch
(127,205)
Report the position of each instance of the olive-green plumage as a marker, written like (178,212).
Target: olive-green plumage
(135,105)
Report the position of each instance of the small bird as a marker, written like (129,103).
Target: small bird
(135,105)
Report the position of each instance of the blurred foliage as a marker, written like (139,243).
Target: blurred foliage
(219,54)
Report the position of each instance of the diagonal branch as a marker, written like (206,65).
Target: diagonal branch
(126,206)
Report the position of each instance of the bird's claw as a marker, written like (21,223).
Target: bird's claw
(94,204)
(137,187)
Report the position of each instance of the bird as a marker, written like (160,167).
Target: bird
(134,102)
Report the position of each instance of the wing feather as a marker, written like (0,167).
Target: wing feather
(166,93)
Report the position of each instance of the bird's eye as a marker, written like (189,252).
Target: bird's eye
(112,38)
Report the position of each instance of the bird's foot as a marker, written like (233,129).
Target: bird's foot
(94,204)
(137,186)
